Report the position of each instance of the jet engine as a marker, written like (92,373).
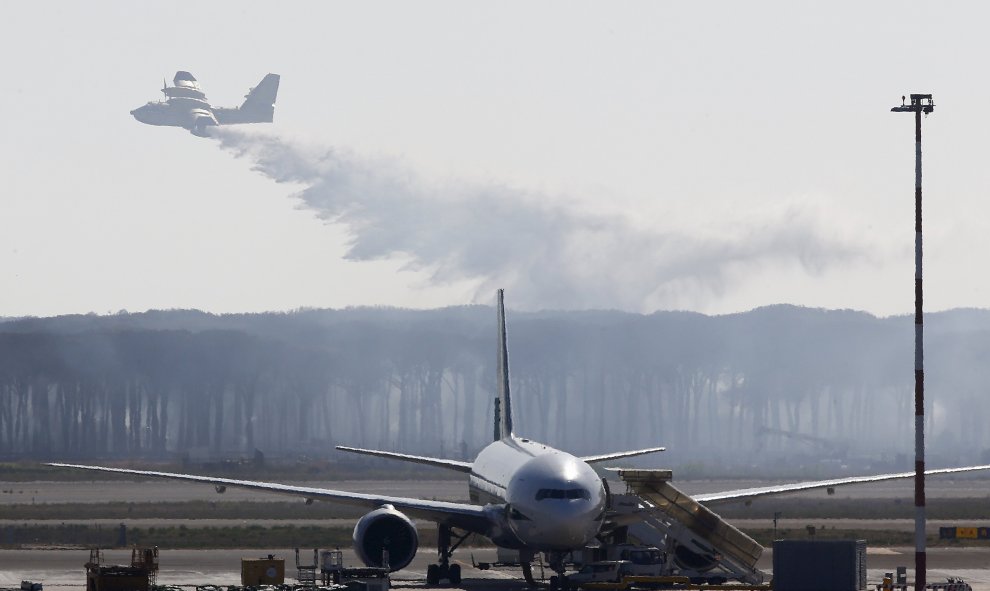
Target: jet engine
(386,529)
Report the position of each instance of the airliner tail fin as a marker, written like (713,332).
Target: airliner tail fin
(503,408)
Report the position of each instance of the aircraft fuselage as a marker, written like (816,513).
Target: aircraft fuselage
(160,113)
(555,500)
(187,106)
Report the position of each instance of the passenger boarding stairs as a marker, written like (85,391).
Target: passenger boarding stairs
(698,542)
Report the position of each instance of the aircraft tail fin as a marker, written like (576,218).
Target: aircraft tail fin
(259,102)
(503,408)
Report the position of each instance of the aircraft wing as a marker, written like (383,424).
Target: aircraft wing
(752,493)
(474,518)
(435,462)
(621,454)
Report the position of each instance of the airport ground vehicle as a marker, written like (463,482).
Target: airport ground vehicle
(621,575)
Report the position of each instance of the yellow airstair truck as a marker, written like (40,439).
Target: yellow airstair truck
(698,545)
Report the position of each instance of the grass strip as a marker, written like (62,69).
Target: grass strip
(182,510)
(183,537)
(963,508)
(873,537)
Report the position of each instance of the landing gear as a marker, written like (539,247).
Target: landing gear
(558,582)
(437,572)
(526,561)
(555,560)
(444,570)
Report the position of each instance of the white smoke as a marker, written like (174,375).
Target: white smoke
(546,255)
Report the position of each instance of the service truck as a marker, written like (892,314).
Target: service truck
(621,575)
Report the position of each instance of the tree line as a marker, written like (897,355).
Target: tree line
(778,380)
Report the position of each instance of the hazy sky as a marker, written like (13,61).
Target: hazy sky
(638,155)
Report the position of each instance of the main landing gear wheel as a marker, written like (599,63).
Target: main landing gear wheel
(437,572)
(444,570)
(433,574)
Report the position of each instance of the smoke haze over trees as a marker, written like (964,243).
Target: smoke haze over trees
(542,252)
(734,389)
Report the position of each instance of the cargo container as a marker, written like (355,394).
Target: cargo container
(825,565)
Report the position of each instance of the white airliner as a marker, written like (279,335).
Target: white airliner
(525,495)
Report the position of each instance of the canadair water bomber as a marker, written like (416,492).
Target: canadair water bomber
(185,105)
(524,495)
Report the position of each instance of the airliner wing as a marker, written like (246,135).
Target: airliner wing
(473,518)
(621,454)
(751,493)
(436,462)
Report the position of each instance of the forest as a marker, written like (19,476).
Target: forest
(775,384)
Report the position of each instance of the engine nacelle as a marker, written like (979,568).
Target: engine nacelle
(386,529)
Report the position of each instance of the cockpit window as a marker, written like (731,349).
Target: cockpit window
(561,493)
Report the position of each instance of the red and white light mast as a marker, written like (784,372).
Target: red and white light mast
(920,103)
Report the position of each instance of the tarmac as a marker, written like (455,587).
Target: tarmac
(62,568)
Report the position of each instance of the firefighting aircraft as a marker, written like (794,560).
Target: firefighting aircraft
(524,495)
(185,105)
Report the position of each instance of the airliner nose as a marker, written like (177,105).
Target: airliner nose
(555,523)
(572,525)
(574,529)
(555,502)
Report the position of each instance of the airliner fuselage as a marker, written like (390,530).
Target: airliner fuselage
(555,501)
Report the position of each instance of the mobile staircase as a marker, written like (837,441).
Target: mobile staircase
(699,544)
